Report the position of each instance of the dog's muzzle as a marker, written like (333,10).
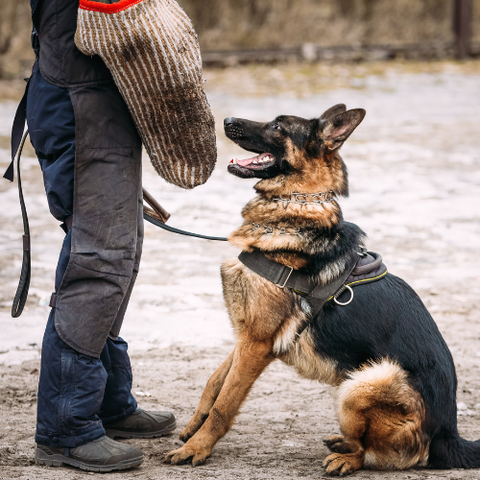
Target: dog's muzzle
(232,128)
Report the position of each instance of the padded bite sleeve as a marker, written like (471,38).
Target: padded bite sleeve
(152,51)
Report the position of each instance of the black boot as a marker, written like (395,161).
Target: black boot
(100,455)
(142,424)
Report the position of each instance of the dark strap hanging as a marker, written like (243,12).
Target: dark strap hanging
(17,131)
(24,282)
(17,142)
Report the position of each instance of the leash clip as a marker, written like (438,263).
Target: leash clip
(286,280)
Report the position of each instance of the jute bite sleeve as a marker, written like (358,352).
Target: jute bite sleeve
(152,51)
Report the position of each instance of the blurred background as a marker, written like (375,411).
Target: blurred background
(233,31)
(414,175)
(414,65)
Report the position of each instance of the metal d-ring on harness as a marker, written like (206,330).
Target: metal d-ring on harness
(367,267)
(155,215)
(285,276)
(339,292)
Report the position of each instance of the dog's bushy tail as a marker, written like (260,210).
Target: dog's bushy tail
(454,452)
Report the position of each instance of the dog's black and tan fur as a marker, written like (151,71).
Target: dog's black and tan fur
(395,375)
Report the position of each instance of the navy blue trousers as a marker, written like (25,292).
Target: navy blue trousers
(76,393)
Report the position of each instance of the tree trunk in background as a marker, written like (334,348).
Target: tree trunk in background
(462,27)
(7,24)
(16,54)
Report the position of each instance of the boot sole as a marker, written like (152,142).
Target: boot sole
(159,433)
(57,460)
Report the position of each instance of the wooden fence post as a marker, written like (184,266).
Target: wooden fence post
(462,27)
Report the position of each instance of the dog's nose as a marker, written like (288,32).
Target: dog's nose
(229,121)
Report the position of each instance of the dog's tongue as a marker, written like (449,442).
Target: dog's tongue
(244,162)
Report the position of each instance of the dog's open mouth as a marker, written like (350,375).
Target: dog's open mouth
(261,161)
(248,166)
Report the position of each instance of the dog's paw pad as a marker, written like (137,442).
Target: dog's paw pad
(187,454)
(340,465)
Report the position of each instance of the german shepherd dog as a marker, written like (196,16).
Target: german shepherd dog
(396,397)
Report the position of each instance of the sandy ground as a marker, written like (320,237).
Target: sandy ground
(415,189)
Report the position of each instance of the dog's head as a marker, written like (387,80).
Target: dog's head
(295,148)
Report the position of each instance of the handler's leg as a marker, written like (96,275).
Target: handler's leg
(70,393)
(132,422)
(72,385)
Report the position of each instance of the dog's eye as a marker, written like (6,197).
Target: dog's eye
(277,126)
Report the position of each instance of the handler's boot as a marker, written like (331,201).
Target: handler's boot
(100,455)
(142,424)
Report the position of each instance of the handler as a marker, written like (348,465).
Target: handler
(90,155)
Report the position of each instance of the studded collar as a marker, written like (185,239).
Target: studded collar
(315,199)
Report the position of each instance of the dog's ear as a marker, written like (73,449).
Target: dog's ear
(335,130)
(331,112)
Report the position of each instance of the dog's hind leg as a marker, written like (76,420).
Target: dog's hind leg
(250,358)
(381,417)
(209,395)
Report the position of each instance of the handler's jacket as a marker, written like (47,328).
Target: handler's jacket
(107,223)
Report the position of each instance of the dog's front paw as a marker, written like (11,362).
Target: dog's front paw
(340,465)
(193,426)
(338,444)
(187,454)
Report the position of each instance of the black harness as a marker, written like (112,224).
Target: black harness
(368,267)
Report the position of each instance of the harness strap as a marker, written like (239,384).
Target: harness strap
(280,275)
(321,293)
(285,276)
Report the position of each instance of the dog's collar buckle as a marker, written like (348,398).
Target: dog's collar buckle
(286,279)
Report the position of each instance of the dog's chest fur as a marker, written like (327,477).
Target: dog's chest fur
(301,236)
(260,309)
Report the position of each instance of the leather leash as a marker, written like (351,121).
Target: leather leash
(157,215)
